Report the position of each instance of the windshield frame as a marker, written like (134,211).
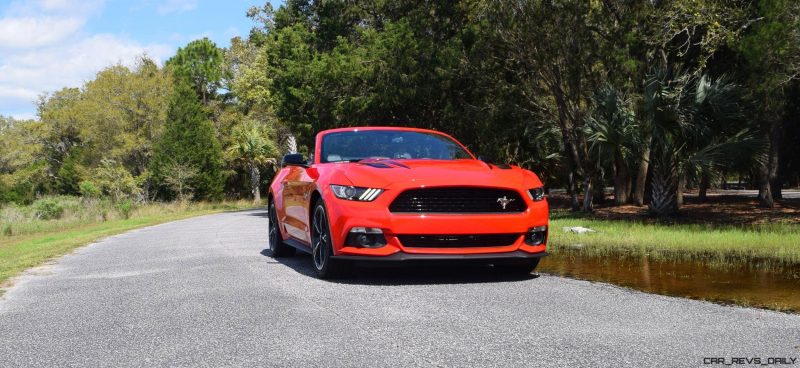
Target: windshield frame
(320,139)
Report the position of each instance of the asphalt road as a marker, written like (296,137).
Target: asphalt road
(745,193)
(787,194)
(199,292)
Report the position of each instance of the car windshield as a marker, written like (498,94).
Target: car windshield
(389,144)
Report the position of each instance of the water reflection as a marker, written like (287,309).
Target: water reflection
(742,285)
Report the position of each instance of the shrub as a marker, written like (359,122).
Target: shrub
(7,230)
(115,180)
(48,209)
(89,189)
(125,207)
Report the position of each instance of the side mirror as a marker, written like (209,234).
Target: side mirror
(294,159)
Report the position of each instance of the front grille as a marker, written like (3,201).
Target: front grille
(458,200)
(458,241)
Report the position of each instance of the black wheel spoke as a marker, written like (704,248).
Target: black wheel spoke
(319,238)
(277,247)
(273,228)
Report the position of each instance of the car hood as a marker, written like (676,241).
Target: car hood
(415,173)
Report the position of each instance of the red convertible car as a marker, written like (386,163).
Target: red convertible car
(403,194)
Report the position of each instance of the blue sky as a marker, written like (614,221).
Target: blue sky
(49,44)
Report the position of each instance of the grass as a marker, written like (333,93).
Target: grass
(32,241)
(770,246)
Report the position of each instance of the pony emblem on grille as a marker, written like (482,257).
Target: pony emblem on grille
(504,201)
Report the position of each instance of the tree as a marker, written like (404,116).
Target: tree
(692,122)
(116,116)
(772,56)
(557,64)
(612,133)
(189,140)
(339,63)
(114,180)
(636,36)
(249,81)
(24,170)
(178,177)
(125,111)
(200,65)
(61,118)
(252,148)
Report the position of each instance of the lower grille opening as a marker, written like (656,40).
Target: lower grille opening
(458,241)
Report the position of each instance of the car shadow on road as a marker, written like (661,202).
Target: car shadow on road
(400,274)
(257,213)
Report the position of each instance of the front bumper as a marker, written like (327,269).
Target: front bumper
(344,215)
(405,257)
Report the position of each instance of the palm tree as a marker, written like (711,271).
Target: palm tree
(612,133)
(252,148)
(694,125)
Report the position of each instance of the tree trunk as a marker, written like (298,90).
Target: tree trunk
(573,192)
(764,189)
(598,191)
(681,188)
(663,192)
(641,175)
(570,143)
(255,181)
(705,182)
(588,194)
(769,170)
(622,180)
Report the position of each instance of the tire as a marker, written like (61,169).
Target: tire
(277,248)
(322,246)
(520,268)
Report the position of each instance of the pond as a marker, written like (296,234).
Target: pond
(696,280)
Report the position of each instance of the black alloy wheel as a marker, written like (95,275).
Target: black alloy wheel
(277,247)
(322,246)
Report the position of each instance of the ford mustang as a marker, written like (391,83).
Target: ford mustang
(404,194)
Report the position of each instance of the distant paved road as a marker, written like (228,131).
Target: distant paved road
(748,193)
(787,194)
(199,292)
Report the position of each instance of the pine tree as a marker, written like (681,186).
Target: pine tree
(189,141)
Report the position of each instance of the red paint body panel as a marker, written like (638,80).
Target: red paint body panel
(294,188)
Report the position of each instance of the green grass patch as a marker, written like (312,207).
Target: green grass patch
(41,240)
(772,246)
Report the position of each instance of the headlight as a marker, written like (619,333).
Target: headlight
(536,194)
(355,193)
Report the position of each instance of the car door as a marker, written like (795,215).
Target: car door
(298,185)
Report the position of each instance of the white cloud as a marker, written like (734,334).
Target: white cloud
(62,5)
(25,115)
(36,8)
(176,6)
(31,32)
(46,51)
(24,75)
(18,93)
